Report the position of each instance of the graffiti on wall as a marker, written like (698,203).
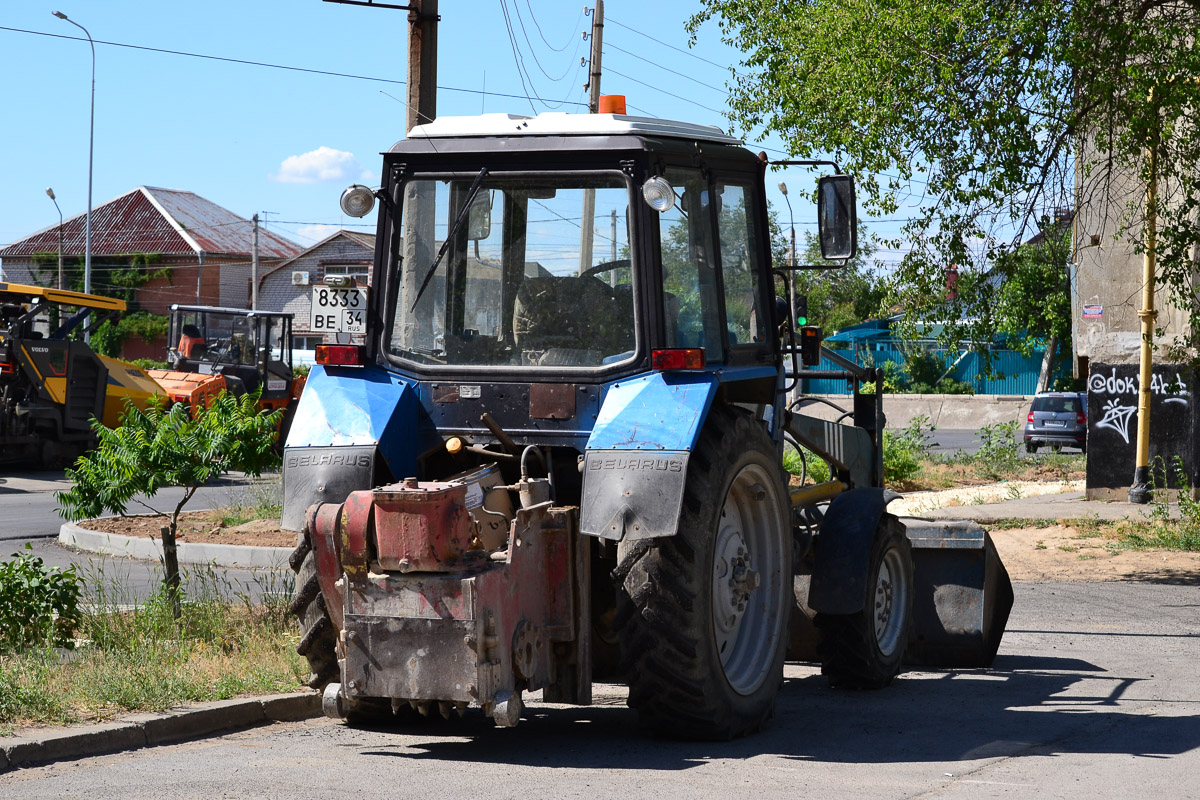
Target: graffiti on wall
(1118,410)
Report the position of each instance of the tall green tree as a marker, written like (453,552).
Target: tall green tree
(985,112)
(169,446)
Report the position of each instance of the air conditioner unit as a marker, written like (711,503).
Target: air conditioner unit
(299,279)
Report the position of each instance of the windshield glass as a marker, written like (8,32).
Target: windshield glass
(518,278)
(215,337)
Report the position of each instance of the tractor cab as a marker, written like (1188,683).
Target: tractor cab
(251,349)
(584,246)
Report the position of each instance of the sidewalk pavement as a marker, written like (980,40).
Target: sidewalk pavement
(1065,506)
(134,731)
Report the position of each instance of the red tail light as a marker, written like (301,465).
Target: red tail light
(340,355)
(1080,418)
(1030,417)
(676,359)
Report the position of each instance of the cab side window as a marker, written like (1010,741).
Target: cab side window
(736,224)
(689,263)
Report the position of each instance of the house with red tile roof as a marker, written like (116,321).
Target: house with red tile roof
(199,252)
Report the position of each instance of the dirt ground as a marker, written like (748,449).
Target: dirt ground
(199,526)
(1056,553)
(1061,553)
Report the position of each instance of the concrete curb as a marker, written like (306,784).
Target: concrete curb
(148,730)
(225,555)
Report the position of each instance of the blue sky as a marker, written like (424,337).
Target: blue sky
(286,142)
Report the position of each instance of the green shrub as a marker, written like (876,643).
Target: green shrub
(150,363)
(997,456)
(904,451)
(39,605)
(805,463)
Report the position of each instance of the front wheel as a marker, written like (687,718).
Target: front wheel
(864,650)
(703,615)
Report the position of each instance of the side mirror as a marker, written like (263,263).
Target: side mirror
(837,217)
(479,220)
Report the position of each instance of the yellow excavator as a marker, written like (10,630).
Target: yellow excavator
(52,384)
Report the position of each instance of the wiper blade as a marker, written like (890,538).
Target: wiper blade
(463,213)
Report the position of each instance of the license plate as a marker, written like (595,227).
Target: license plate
(1055,423)
(336,310)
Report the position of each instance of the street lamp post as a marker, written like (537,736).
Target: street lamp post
(50,194)
(87,225)
(791,220)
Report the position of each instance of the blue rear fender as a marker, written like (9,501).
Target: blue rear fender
(348,418)
(635,462)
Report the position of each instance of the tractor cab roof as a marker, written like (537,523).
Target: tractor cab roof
(21,293)
(239,312)
(562,124)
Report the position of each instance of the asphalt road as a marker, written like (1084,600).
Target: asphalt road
(30,515)
(1093,695)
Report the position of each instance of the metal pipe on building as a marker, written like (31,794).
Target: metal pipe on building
(1141,490)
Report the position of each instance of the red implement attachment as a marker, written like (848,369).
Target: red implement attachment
(429,617)
(422,527)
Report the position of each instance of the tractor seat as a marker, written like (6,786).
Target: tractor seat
(570,313)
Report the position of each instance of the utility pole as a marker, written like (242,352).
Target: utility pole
(254,268)
(422,56)
(422,62)
(586,228)
(597,47)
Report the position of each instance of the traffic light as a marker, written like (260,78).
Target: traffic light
(810,345)
(801,310)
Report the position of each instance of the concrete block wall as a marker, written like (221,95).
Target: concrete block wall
(969,412)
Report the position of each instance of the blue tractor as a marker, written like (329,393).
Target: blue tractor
(558,455)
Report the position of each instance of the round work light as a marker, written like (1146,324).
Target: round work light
(658,194)
(357,201)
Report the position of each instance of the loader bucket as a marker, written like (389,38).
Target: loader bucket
(961,594)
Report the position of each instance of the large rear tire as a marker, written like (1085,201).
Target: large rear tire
(703,615)
(865,650)
(318,640)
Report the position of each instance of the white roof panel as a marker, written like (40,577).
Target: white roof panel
(558,123)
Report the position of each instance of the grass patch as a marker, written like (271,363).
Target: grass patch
(262,499)
(1160,530)
(139,658)
(1011,523)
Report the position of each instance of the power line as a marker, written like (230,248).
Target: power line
(273,66)
(663,91)
(665,69)
(512,41)
(533,51)
(539,30)
(673,47)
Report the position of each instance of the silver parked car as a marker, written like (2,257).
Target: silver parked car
(1057,419)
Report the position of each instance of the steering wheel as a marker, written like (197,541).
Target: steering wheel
(606,266)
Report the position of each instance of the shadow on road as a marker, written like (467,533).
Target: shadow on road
(1025,705)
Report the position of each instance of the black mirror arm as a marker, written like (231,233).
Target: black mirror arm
(806,163)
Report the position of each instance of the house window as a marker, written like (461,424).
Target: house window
(307,342)
(360,272)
